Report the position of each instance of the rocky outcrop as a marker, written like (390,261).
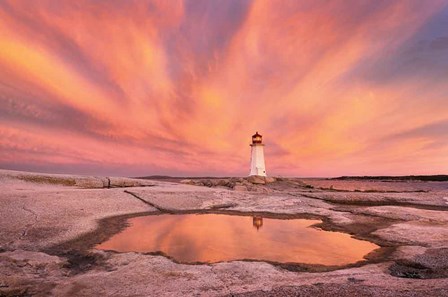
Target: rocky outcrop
(236,183)
(257,180)
(49,230)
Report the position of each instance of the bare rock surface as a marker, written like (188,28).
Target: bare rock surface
(37,215)
(404,213)
(377,185)
(240,188)
(50,224)
(416,233)
(374,198)
(250,183)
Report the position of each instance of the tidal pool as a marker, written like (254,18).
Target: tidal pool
(210,238)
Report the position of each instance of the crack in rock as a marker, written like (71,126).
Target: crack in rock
(159,208)
(28,226)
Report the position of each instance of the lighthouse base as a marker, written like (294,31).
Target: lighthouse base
(259,172)
(257,166)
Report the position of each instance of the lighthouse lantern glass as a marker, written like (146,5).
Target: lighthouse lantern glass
(256,139)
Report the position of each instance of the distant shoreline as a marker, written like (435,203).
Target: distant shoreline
(439,177)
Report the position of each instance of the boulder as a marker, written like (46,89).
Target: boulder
(122,182)
(239,188)
(255,179)
(222,182)
(269,180)
(207,183)
(187,182)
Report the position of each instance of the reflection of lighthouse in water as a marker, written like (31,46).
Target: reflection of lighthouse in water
(257,222)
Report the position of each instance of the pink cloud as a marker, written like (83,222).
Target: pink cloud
(178,87)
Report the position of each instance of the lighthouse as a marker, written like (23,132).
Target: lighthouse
(257,166)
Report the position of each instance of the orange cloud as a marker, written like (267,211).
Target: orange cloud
(178,87)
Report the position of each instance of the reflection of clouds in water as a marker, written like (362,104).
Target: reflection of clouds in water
(213,238)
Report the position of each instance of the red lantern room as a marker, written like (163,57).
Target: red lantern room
(256,138)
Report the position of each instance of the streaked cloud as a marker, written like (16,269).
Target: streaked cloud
(178,87)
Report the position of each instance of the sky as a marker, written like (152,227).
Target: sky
(136,88)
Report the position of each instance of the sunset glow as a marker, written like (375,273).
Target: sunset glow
(214,238)
(178,87)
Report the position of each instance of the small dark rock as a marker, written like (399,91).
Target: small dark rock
(355,280)
(207,183)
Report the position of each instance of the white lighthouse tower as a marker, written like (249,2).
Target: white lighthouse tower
(257,166)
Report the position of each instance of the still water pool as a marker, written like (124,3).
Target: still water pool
(210,238)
